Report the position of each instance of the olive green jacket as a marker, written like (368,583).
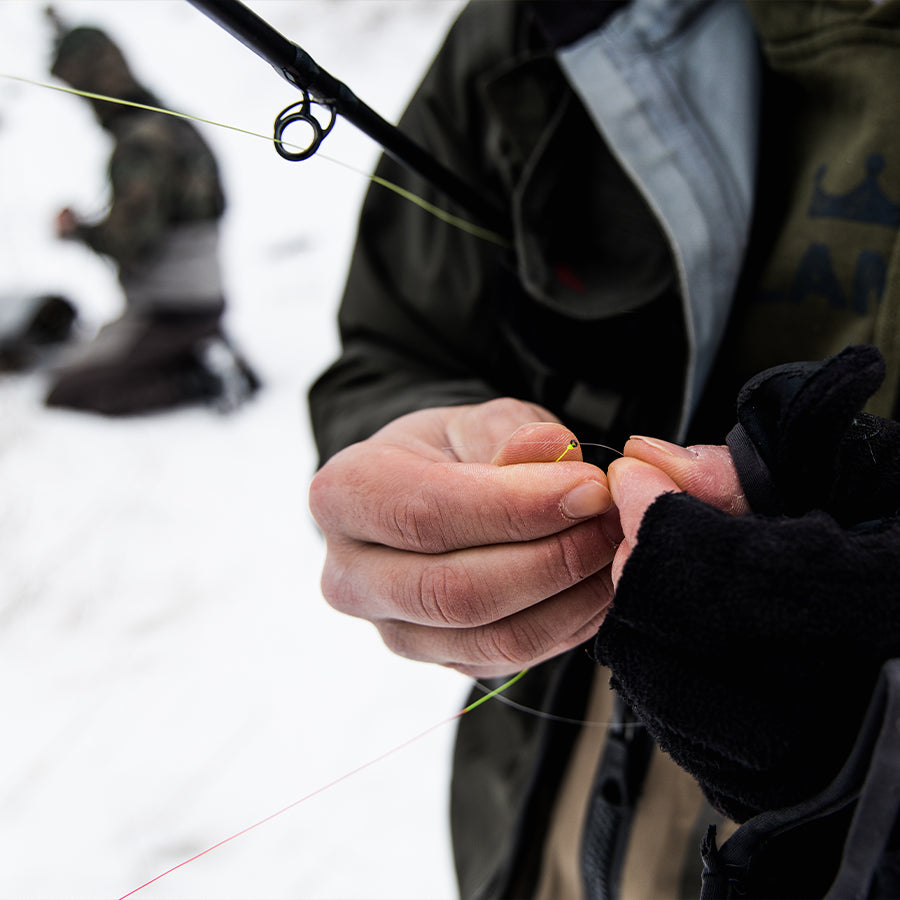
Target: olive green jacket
(629,177)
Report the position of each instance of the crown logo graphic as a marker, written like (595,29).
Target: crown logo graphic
(864,203)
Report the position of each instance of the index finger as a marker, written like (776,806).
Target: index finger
(391,496)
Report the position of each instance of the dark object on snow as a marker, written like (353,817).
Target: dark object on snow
(31,327)
(146,362)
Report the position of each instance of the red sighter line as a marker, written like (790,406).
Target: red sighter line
(309,796)
(336,781)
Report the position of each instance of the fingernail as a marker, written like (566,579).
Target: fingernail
(588,499)
(666,447)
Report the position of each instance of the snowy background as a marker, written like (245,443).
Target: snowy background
(169,673)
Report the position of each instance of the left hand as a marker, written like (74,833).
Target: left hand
(651,467)
(481,559)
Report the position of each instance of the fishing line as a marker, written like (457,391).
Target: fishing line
(452,448)
(449,219)
(546,716)
(477,231)
(603,446)
(496,692)
(570,446)
(501,698)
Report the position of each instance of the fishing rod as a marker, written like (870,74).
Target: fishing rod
(317,86)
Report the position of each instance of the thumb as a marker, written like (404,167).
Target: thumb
(705,471)
(634,486)
(543,442)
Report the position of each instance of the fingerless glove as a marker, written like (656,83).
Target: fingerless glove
(749,646)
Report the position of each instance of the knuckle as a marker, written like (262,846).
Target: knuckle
(393,637)
(414,521)
(446,595)
(336,588)
(500,406)
(578,553)
(332,485)
(512,411)
(349,580)
(513,521)
(398,638)
(318,496)
(566,558)
(514,642)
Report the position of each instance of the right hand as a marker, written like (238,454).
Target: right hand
(481,559)
(66,224)
(650,467)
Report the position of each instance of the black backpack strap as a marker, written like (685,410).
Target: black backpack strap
(614,796)
(867,788)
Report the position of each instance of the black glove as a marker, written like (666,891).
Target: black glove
(749,646)
(802,444)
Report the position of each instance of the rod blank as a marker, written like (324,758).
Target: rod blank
(297,67)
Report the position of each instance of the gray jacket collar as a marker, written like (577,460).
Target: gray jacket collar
(673,87)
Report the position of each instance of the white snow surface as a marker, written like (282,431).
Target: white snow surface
(169,671)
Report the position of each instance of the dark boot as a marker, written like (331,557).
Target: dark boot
(31,327)
(146,362)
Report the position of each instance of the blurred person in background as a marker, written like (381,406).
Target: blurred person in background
(168,348)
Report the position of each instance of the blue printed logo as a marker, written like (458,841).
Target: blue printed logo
(864,203)
(815,276)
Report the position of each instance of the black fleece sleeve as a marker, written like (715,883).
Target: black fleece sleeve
(750,646)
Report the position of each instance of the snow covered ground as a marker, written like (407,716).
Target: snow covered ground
(169,673)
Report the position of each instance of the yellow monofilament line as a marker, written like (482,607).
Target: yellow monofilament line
(570,446)
(475,230)
(478,231)
(493,693)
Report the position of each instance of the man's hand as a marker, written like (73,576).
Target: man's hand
(651,467)
(451,533)
(66,224)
